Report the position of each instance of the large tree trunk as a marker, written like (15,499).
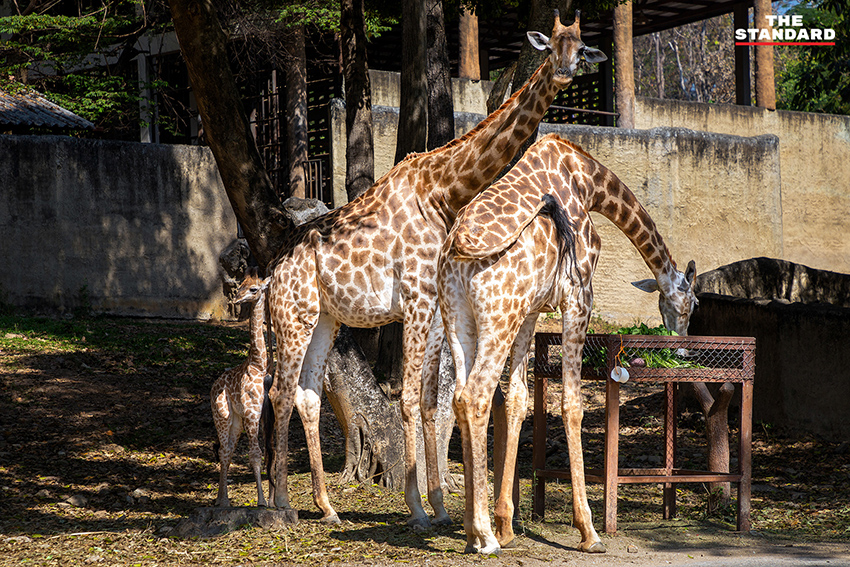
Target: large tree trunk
(624,65)
(296,112)
(359,149)
(542,19)
(716,412)
(413,105)
(204,47)
(441,118)
(411,137)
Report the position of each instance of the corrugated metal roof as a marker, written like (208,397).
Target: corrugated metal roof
(27,108)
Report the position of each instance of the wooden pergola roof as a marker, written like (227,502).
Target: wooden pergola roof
(502,39)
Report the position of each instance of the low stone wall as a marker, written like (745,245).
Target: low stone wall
(802,379)
(121,228)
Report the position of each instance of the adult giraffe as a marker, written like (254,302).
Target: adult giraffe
(499,268)
(374,261)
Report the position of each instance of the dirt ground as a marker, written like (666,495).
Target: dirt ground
(103,452)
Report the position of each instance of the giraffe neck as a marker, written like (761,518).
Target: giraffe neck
(609,196)
(480,155)
(257,350)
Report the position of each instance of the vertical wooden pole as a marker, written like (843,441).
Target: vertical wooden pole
(611,466)
(765,87)
(468,63)
(624,65)
(538,454)
(669,497)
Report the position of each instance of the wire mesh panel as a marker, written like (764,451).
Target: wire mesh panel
(654,358)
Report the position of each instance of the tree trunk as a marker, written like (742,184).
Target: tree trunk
(717,434)
(296,112)
(251,195)
(542,19)
(441,118)
(359,149)
(468,66)
(624,65)
(413,104)
(374,440)
(765,86)
(411,137)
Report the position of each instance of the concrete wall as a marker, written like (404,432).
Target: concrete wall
(131,229)
(814,150)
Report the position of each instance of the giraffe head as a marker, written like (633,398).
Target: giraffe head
(565,49)
(678,302)
(251,288)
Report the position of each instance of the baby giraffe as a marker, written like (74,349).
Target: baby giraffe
(237,396)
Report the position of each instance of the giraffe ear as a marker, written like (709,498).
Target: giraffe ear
(265,283)
(593,55)
(648,286)
(538,40)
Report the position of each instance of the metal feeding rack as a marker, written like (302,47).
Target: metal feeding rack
(648,359)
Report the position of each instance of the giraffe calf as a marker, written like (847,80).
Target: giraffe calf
(238,394)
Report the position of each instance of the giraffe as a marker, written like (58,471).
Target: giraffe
(373,261)
(499,268)
(237,395)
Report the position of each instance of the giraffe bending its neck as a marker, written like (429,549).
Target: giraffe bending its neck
(237,396)
(501,265)
(374,261)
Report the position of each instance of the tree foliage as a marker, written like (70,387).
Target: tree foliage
(817,78)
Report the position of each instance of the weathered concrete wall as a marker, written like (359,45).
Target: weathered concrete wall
(132,229)
(714,198)
(814,151)
(802,378)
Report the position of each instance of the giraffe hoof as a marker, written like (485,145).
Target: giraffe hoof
(419,524)
(443,520)
(491,550)
(595,547)
(332,519)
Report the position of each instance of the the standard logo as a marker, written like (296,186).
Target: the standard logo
(786,30)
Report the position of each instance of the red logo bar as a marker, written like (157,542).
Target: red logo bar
(744,43)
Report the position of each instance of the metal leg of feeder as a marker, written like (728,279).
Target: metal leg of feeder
(538,454)
(669,509)
(745,457)
(611,466)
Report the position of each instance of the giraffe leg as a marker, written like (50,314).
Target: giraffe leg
(414,339)
(472,408)
(461,335)
(428,410)
(293,333)
(252,430)
(506,443)
(308,401)
(228,446)
(221,418)
(573,337)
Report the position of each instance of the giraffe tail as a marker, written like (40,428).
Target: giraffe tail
(267,420)
(564,229)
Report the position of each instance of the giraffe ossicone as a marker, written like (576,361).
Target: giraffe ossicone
(509,258)
(373,261)
(237,395)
